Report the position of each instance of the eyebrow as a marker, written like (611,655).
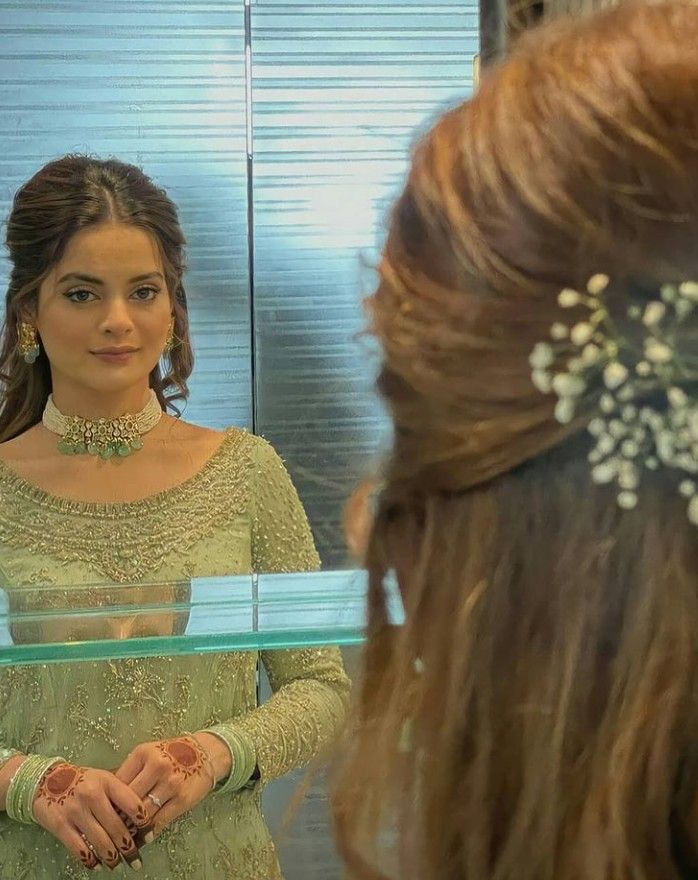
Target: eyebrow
(91,279)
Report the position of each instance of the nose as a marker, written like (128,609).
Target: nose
(116,319)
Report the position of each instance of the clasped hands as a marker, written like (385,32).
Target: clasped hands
(104,817)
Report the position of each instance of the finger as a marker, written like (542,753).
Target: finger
(128,802)
(127,820)
(149,778)
(158,797)
(106,816)
(106,849)
(130,768)
(132,828)
(171,811)
(74,842)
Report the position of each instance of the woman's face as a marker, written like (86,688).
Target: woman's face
(106,294)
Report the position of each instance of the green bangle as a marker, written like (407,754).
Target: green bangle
(23,787)
(242,760)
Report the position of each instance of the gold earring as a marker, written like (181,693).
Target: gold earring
(28,342)
(170,341)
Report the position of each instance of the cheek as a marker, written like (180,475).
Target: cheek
(153,324)
(63,334)
(152,340)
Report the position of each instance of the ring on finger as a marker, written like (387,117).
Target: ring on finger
(90,847)
(155,799)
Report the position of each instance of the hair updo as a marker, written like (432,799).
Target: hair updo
(536,715)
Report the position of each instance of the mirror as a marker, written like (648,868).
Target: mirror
(281,132)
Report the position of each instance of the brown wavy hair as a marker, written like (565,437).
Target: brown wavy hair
(535,717)
(63,197)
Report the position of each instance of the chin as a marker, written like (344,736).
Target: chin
(112,381)
(97,377)
(106,388)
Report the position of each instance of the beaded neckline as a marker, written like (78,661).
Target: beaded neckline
(164,498)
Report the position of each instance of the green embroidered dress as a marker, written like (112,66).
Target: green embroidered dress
(239,514)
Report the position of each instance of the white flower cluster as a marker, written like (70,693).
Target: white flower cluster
(629,437)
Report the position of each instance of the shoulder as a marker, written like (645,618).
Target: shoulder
(198,443)
(240,442)
(29,445)
(264,456)
(179,431)
(241,447)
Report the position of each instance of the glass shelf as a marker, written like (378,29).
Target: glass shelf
(250,612)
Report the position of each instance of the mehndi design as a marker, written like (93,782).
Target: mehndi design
(60,783)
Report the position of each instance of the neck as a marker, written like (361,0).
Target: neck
(100,405)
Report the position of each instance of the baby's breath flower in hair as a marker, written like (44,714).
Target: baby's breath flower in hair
(592,362)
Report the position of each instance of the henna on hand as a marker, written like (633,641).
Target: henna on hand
(142,830)
(128,849)
(59,783)
(185,755)
(142,821)
(142,818)
(112,859)
(88,858)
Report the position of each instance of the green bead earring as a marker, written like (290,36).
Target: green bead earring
(28,342)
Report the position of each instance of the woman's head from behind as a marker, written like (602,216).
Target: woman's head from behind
(97,259)
(531,717)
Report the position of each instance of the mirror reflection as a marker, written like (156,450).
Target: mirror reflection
(54,616)
(190,197)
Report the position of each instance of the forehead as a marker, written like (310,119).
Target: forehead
(113,248)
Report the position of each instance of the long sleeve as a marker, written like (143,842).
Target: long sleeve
(37,764)
(310,687)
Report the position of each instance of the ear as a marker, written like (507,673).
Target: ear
(27,316)
(28,309)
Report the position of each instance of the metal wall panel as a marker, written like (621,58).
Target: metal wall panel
(160,84)
(338,90)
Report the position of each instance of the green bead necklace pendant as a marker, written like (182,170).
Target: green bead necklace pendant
(102,438)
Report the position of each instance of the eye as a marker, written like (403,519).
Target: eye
(80,295)
(146,294)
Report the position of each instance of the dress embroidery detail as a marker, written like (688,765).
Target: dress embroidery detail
(125,542)
(239,514)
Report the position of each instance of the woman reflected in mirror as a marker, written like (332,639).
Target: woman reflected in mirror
(157,762)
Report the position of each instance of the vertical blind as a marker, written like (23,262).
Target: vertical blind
(338,90)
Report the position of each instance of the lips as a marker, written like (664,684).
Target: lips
(115,356)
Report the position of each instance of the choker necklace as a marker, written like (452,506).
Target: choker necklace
(102,437)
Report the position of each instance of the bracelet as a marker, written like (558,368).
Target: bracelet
(242,761)
(24,785)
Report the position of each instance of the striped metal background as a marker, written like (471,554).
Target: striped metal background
(338,91)
(160,84)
